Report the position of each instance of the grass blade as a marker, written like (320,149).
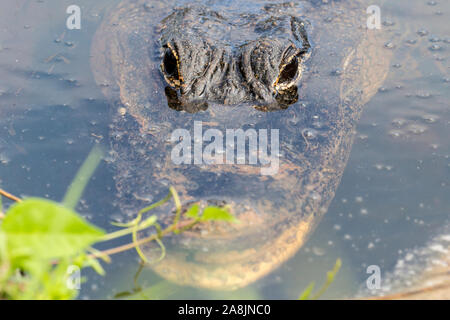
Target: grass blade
(82,177)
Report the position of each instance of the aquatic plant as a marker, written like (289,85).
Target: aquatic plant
(40,240)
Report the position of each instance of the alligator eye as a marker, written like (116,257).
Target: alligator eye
(288,74)
(170,68)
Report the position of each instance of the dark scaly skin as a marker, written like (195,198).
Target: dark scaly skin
(278,212)
(259,64)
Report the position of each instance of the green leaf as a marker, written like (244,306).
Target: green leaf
(307,293)
(192,212)
(46,230)
(217,214)
(2,245)
(4,265)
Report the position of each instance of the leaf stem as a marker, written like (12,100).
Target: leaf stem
(133,245)
(9,196)
(122,232)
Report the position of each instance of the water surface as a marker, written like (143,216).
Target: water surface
(394,194)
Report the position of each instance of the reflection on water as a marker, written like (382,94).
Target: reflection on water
(393,195)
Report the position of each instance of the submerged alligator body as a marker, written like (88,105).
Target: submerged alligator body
(303,68)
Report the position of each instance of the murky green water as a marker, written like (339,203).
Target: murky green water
(394,194)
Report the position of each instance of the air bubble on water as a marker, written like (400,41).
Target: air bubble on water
(309,133)
(359,199)
(434,146)
(318,251)
(434,39)
(397,65)
(400,264)
(395,133)
(430,118)
(72,81)
(363,137)
(432,3)
(317,124)
(379,166)
(417,129)
(435,47)
(315,196)
(347,237)
(116,217)
(344,200)
(293,120)
(371,245)
(388,23)
(422,32)
(423,95)
(411,41)
(389,45)
(336,72)
(4,159)
(364,211)
(337,227)
(69,141)
(409,256)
